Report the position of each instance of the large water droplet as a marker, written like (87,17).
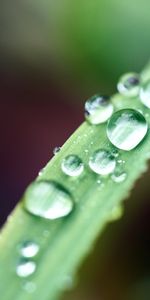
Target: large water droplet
(98,109)
(48,199)
(25,268)
(145,93)
(126,129)
(102,162)
(72,165)
(128,84)
(29,249)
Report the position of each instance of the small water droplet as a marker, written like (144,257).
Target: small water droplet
(128,84)
(115,153)
(102,162)
(116,213)
(99,181)
(72,165)
(126,129)
(25,268)
(98,109)
(145,93)
(29,249)
(66,282)
(56,150)
(146,115)
(29,287)
(48,199)
(120,161)
(86,151)
(41,171)
(119,177)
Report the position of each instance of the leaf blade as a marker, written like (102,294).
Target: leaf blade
(66,242)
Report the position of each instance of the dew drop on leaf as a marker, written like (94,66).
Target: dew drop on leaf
(115,152)
(56,150)
(98,109)
(126,129)
(129,84)
(99,181)
(29,287)
(145,93)
(48,199)
(29,249)
(102,162)
(67,282)
(25,268)
(119,177)
(72,165)
(116,213)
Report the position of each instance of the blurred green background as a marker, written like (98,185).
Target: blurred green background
(53,55)
(85,43)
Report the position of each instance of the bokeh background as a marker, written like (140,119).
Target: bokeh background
(53,56)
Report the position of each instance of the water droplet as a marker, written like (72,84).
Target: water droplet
(86,151)
(25,268)
(48,199)
(116,213)
(29,249)
(102,162)
(56,150)
(115,153)
(145,93)
(29,287)
(41,171)
(120,161)
(128,84)
(66,282)
(99,181)
(119,177)
(126,129)
(98,109)
(146,115)
(72,165)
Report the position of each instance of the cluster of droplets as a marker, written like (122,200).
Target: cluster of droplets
(126,128)
(26,265)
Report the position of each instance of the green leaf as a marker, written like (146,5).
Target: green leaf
(64,243)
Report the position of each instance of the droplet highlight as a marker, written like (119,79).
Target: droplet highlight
(126,129)
(129,84)
(98,109)
(102,162)
(25,268)
(48,199)
(29,249)
(145,93)
(72,165)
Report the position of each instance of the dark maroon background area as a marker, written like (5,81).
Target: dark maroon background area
(34,118)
